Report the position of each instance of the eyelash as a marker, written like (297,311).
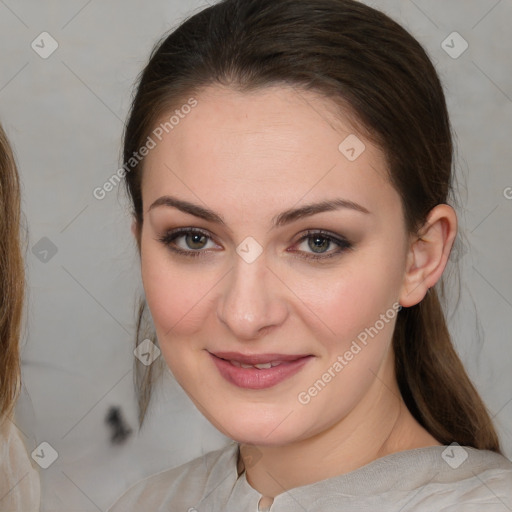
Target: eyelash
(342,243)
(168,239)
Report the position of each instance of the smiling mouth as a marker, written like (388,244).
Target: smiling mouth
(258,371)
(260,366)
(257,360)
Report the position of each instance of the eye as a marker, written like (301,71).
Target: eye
(187,241)
(313,245)
(316,244)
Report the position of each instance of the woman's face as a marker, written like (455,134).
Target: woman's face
(242,260)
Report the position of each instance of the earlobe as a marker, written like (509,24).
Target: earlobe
(428,254)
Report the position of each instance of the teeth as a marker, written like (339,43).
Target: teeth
(260,366)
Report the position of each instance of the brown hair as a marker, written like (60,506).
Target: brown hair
(373,70)
(12,278)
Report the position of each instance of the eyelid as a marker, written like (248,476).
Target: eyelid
(169,236)
(340,241)
(324,234)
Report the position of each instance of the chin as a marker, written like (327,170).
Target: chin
(257,431)
(258,438)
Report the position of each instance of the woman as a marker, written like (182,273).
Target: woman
(19,482)
(289,165)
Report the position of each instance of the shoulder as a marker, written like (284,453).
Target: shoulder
(180,487)
(485,480)
(464,478)
(444,478)
(19,481)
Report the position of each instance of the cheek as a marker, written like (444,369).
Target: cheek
(178,300)
(347,301)
(177,295)
(357,313)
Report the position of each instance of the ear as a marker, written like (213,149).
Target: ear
(428,254)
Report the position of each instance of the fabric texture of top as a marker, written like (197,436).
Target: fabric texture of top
(19,481)
(437,478)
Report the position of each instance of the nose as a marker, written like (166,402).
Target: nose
(253,300)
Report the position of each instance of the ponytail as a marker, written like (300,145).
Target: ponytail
(433,381)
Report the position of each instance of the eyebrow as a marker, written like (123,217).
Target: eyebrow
(282,219)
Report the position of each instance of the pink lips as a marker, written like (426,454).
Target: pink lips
(255,378)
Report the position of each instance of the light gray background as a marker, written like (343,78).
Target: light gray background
(64,116)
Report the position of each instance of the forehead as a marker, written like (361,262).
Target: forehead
(272,146)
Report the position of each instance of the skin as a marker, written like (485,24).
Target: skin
(248,157)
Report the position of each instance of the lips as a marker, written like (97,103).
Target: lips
(260,366)
(254,359)
(258,371)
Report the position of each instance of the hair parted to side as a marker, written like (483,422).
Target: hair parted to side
(12,279)
(376,73)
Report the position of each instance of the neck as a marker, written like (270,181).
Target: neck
(379,425)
